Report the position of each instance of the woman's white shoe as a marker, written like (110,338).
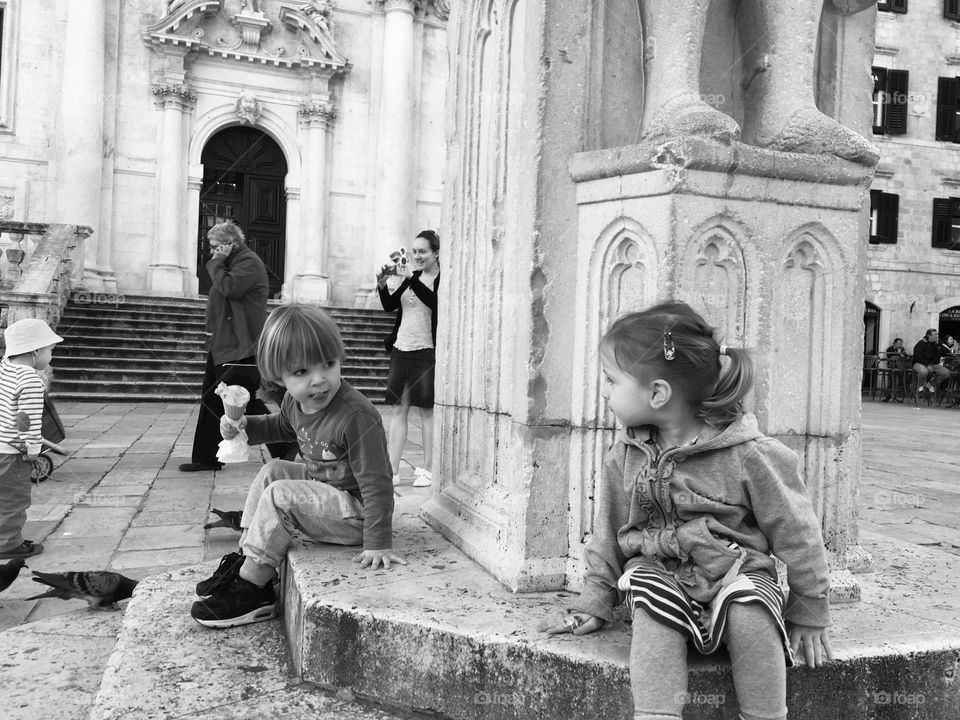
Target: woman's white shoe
(424,478)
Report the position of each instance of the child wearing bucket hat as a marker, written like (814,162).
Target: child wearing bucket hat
(29,346)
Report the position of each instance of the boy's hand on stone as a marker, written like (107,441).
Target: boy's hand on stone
(229,430)
(578,623)
(374,559)
(815,642)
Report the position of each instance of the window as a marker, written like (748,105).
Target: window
(890,91)
(946,223)
(884,208)
(948,112)
(951,9)
(894,6)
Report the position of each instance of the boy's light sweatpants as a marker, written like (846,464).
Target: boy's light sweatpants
(14,498)
(282,499)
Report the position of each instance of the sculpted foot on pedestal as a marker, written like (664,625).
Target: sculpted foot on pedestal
(810,131)
(689,115)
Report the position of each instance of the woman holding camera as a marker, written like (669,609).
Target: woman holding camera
(412,347)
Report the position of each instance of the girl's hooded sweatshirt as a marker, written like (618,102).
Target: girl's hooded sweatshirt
(679,513)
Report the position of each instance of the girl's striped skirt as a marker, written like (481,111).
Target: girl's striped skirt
(662,597)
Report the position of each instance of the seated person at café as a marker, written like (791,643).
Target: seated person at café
(951,358)
(926,361)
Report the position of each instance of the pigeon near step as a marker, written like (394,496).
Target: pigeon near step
(228,519)
(9,572)
(99,588)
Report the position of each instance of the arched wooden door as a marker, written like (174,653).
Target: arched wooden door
(243,175)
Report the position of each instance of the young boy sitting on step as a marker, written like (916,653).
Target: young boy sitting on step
(342,494)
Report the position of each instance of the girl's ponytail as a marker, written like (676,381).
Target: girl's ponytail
(726,403)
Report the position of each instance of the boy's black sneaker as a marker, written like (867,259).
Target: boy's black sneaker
(230,565)
(237,602)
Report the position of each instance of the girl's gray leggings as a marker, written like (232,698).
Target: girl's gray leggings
(658,666)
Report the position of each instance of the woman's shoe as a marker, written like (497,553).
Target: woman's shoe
(424,478)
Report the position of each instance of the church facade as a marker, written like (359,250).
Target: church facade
(317,126)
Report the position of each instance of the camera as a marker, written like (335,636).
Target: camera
(398,259)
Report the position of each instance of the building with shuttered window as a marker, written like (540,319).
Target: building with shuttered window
(913,255)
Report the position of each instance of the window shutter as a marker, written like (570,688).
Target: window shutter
(941,222)
(887,225)
(951,9)
(895,102)
(946,107)
(875,208)
(880,86)
(898,6)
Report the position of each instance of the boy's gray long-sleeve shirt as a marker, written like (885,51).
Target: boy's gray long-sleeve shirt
(343,445)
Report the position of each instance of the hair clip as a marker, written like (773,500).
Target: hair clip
(669,349)
(723,349)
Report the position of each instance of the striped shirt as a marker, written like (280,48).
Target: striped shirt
(21,392)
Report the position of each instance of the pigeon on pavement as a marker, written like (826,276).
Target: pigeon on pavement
(9,572)
(98,588)
(228,519)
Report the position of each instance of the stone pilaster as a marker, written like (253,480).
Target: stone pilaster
(79,156)
(167,273)
(310,281)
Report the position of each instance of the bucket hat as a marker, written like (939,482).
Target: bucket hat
(28,335)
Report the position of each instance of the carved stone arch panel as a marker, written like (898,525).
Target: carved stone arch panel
(716,270)
(218,118)
(807,320)
(621,276)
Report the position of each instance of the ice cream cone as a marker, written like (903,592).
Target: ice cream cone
(235,399)
(234,412)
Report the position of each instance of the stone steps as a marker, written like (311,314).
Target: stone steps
(148,348)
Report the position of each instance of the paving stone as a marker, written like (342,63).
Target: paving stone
(147,518)
(100,521)
(162,537)
(181,556)
(74,553)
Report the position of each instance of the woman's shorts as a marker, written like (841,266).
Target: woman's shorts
(412,371)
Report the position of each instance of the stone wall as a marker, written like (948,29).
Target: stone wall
(912,282)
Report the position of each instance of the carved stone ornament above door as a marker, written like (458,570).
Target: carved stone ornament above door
(295,34)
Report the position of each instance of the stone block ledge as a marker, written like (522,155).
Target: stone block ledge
(441,635)
(696,153)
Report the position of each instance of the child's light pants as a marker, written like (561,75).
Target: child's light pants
(658,667)
(282,499)
(14,498)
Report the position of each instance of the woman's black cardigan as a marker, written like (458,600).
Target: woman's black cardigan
(392,302)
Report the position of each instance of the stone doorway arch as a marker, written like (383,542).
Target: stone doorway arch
(243,180)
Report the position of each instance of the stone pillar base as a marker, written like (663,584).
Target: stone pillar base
(166,279)
(101,280)
(312,289)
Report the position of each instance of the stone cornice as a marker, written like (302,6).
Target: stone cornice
(299,33)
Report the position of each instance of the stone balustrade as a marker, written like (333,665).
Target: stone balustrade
(41,263)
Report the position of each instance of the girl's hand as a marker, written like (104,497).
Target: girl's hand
(382,275)
(404,270)
(373,559)
(229,430)
(815,642)
(578,623)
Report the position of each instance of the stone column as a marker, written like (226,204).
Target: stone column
(79,140)
(310,282)
(395,181)
(539,260)
(167,272)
